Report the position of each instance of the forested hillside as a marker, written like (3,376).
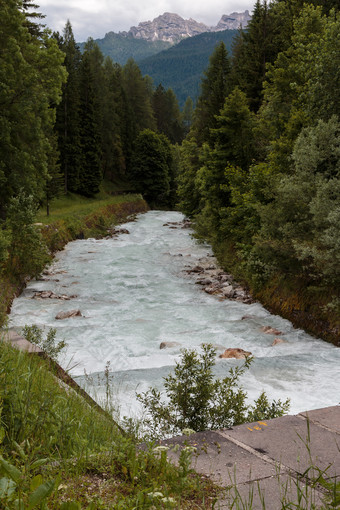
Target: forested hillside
(121,47)
(260,168)
(181,66)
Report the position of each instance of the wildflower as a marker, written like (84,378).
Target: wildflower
(188,432)
(169,501)
(155,495)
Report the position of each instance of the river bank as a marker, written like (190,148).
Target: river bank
(94,219)
(296,301)
(135,291)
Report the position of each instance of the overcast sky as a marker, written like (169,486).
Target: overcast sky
(97,17)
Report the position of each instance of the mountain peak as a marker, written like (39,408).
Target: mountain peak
(172,28)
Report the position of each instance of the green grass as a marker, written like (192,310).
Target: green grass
(55,446)
(76,206)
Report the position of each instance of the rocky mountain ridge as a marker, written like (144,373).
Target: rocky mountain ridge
(173,28)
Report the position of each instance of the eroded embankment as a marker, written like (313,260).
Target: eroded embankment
(303,306)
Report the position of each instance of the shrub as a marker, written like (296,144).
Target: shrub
(198,401)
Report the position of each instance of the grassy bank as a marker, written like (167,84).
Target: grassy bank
(57,450)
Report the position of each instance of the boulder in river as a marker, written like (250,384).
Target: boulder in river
(278,341)
(271,331)
(68,314)
(168,345)
(235,353)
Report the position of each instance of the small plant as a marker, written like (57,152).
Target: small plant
(199,401)
(49,345)
(19,488)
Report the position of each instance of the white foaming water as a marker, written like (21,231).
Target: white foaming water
(133,295)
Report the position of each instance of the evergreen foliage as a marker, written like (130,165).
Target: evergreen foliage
(260,176)
(68,121)
(31,75)
(151,167)
(214,89)
(181,66)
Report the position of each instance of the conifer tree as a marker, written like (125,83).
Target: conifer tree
(187,114)
(68,121)
(90,175)
(214,89)
(151,167)
(139,113)
(254,49)
(167,114)
(33,18)
(31,75)
(113,123)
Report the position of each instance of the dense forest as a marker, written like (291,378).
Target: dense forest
(260,168)
(256,165)
(69,121)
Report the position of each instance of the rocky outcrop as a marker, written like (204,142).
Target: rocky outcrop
(173,28)
(217,282)
(233,21)
(235,353)
(167,27)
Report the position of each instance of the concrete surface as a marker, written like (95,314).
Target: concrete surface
(271,462)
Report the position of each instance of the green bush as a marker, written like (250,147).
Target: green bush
(197,400)
(49,344)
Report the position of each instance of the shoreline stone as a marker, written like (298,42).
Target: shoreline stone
(215,281)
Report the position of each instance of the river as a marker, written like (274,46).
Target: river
(133,294)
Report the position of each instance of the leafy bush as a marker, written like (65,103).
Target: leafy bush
(34,334)
(24,238)
(197,400)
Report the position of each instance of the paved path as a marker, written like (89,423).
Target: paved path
(270,461)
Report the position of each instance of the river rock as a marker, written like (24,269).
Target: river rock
(168,345)
(68,314)
(271,331)
(48,294)
(246,317)
(278,341)
(204,281)
(228,291)
(235,353)
(212,289)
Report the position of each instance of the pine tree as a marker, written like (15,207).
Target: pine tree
(68,121)
(33,18)
(31,75)
(167,114)
(150,168)
(214,89)
(255,48)
(139,113)
(91,174)
(113,123)
(187,115)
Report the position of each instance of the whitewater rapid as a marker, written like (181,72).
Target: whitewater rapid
(133,293)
